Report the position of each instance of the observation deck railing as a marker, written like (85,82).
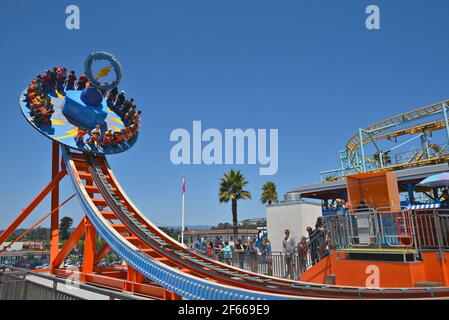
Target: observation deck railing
(278,263)
(25,260)
(22,284)
(381,231)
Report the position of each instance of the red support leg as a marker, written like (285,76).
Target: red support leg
(54,238)
(69,245)
(89,247)
(175,296)
(168,295)
(134,276)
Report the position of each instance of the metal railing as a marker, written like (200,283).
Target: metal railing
(413,230)
(280,264)
(15,284)
(432,230)
(368,228)
(27,261)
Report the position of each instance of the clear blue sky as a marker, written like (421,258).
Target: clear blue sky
(308,68)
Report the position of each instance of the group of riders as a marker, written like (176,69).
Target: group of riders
(58,80)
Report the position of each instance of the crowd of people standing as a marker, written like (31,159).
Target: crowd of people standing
(336,204)
(239,254)
(257,256)
(308,250)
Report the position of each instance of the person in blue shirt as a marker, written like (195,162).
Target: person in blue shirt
(199,247)
(227,253)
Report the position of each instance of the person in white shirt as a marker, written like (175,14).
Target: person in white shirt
(289,248)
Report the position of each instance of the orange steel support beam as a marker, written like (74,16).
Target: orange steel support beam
(89,247)
(34,225)
(134,276)
(168,295)
(54,234)
(101,253)
(69,245)
(13,226)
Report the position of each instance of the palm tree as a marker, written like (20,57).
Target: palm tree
(232,186)
(269,193)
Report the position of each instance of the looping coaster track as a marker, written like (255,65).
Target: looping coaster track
(422,122)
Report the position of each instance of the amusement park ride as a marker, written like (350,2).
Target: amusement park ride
(158,266)
(417,125)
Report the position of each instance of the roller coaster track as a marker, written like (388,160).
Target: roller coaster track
(373,132)
(168,263)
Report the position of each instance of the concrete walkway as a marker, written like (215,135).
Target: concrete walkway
(69,288)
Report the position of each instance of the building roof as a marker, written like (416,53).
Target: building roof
(330,189)
(219,231)
(16,246)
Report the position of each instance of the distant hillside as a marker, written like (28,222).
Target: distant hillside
(193,227)
(17,232)
(44,233)
(37,234)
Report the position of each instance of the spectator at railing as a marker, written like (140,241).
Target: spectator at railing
(289,247)
(240,252)
(199,247)
(218,248)
(323,242)
(303,250)
(210,249)
(266,254)
(252,253)
(227,253)
(340,204)
(313,245)
(319,223)
(319,239)
(444,198)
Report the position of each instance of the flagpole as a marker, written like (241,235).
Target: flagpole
(182,209)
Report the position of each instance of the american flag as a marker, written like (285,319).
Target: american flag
(183,184)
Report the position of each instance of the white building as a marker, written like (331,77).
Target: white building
(190,236)
(17,246)
(295,215)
